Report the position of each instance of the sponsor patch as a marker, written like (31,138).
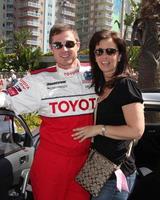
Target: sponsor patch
(23,84)
(18,88)
(73,105)
(56,83)
(87,75)
(56,87)
(12,91)
(70,74)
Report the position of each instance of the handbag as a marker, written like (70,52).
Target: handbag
(97,169)
(95,172)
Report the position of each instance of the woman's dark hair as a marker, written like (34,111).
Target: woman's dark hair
(122,67)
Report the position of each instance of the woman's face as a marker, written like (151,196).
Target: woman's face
(107,56)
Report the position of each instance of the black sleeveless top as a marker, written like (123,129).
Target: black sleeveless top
(109,112)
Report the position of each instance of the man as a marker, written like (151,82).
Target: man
(3,82)
(13,78)
(64,99)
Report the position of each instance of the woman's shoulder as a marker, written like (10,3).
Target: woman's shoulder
(126,82)
(128,90)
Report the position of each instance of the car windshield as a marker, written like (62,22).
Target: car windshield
(7,128)
(5,124)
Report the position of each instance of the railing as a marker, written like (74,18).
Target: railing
(105,1)
(108,8)
(29,4)
(29,13)
(35,33)
(103,15)
(29,23)
(68,13)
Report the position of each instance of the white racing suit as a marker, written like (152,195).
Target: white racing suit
(64,101)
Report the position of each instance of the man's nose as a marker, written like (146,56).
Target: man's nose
(65,48)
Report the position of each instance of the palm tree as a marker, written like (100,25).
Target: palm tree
(147,29)
(26,56)
(131,17)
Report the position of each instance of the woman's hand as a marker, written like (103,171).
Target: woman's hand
(86,132)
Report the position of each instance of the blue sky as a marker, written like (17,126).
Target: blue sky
(117,6)
(116,14)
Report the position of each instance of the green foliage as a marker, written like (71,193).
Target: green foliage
(32,120)
(25,57)
(20,39)
(130,18)
(48,54)
(133,55)
(6,61)
(28,58)
(84,52)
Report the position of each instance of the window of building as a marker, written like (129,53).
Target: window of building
(92,7)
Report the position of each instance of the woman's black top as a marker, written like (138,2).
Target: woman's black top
(109,112)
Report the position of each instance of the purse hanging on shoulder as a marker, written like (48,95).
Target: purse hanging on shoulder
(96,171)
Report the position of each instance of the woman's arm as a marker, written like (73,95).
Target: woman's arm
(134,128)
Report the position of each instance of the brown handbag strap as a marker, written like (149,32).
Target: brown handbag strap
(95,113)
(128,153)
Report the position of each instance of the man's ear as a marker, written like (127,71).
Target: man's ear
(78,45)
(50,47)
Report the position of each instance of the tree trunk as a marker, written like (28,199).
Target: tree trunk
(149,59)
(147,28)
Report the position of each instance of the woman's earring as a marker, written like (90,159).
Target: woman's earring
(119,59)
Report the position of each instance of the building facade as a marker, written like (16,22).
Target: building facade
(65,11)
(49,20)
(7,22)
(38,16)
(30,15)
(92,15)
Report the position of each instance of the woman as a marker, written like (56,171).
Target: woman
(120,115)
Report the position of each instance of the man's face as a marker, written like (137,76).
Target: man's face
(65,47)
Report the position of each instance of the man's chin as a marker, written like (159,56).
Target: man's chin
(67,64)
